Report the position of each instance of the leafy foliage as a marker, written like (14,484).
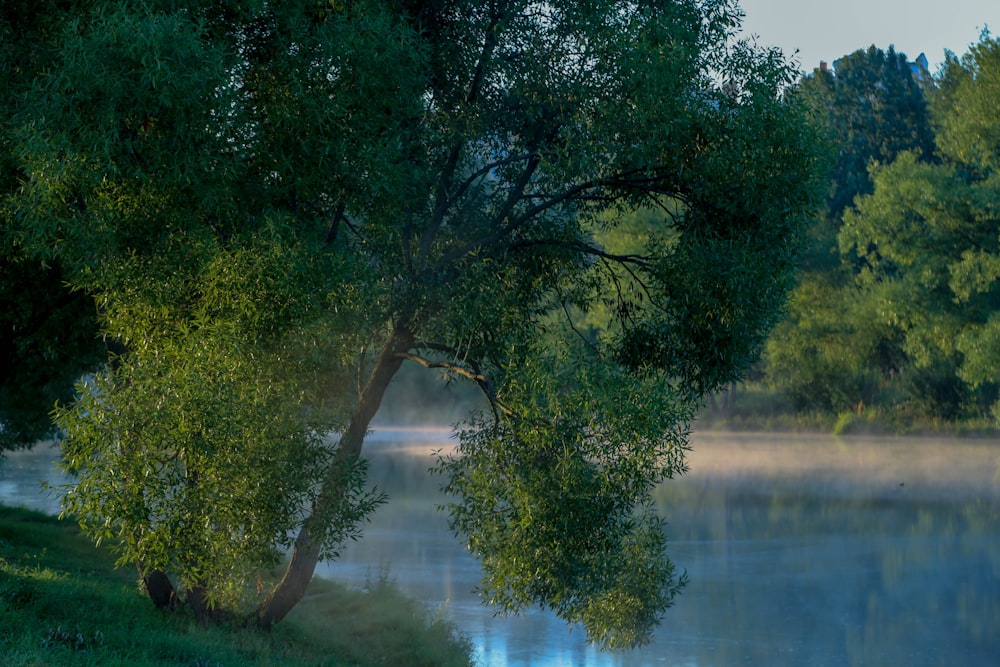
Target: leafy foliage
(48,332)
(557,505)
(276,205)
(48,338)
(821,354)
(906,320)
(964,120)
(874,109)
(928,236)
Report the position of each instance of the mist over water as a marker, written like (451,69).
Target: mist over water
(801,550)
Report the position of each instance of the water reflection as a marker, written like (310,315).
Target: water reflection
(800,551)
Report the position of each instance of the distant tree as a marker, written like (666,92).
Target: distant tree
(965,119)
(276,205)
(929,244)
(875,110)
(830,354)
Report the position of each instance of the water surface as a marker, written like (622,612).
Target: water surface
(800,550)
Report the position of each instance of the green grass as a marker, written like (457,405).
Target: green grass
(62,602)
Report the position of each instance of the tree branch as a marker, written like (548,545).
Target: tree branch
(622,181)
(481,380)
(338,216)
(484,170)
(407,236)
(586,248)
(624,261)
(516,194)
(489,46)
(442,201)
(444,197)
(569,319)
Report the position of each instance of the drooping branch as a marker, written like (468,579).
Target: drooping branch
(474,374)
(624,312)
(569,320)
(628,263)
(638,281)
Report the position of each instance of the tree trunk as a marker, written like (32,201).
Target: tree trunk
(203,613)
(306,551)
(159,588)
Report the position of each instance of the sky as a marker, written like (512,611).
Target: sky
(833,28)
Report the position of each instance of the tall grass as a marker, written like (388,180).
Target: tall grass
(62,602)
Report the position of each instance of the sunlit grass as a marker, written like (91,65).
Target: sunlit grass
(62,602)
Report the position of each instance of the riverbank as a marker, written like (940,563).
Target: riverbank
(62,602)
(755,409)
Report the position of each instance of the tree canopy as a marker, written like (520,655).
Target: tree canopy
(928,240)
(48,332)
(276,205)
(902,316)
(875,109)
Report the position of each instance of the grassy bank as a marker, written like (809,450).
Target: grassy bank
(754,408)
(62,602)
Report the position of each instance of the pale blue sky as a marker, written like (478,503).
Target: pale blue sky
(831,29)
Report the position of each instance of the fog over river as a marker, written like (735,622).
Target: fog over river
(801,550)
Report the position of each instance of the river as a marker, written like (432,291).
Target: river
(800,550)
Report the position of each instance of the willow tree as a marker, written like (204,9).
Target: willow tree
(278,204)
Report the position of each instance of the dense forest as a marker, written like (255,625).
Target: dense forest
(895,318)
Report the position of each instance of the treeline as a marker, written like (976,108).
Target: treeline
(897,310)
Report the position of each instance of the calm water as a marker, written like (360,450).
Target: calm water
(800,551)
